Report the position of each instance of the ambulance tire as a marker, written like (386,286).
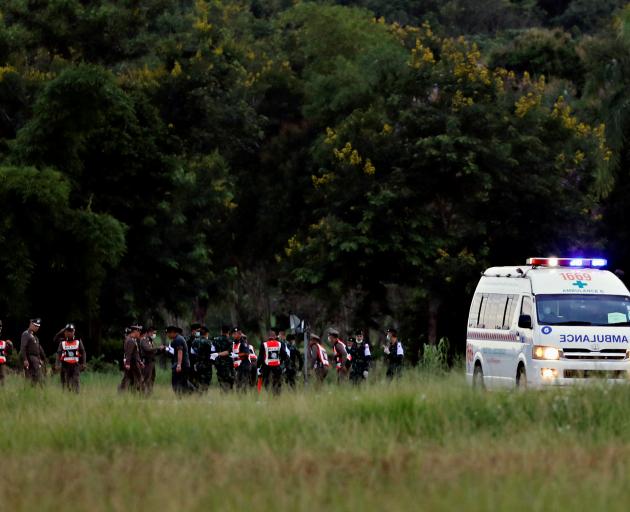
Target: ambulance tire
(521,377)
(478,382)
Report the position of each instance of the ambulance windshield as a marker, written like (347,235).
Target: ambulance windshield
(598,310)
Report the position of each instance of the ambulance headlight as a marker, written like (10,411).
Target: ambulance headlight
(547,353)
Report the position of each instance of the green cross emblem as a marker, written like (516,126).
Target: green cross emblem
(580,284)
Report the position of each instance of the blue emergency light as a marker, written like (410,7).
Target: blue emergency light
(568,262)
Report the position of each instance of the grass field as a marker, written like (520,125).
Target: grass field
(423,443)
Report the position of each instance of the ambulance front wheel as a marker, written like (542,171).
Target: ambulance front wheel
(521,377)
(478,382)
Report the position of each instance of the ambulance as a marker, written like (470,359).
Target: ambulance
(551,322)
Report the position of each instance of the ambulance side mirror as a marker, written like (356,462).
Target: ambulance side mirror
(525,322)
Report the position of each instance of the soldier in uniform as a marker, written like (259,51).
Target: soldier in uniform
(317,358)
(271,355)
(294,364)
(32,354)
(70,359)
(132,364)
(6,347)
(148,353)
(203,348)
(394,353)
(361,358)
(341,354)
(223,359)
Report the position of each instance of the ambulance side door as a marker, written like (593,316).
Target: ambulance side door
(526,336)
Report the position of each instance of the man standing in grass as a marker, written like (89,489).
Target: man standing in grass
(270,358)
(5,348)
(395,354)
(132,365)
(32,354)
(361,358)
(341,354)
(223,359)
(317,358)
(148,353)
(70,359)
(181,362)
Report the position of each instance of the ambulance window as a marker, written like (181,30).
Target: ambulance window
(482,311)
(494,311)
(473,317)
(526,308)
(510,305)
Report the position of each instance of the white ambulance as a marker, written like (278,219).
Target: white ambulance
(554,321)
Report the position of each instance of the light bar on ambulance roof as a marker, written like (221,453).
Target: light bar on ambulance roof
(568,262)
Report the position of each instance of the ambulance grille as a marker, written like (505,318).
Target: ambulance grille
(595,355)
(595,374)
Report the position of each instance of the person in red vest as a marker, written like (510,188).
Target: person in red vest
(341,354)
(317,358)
(5,348)
(70,359)
(271,356)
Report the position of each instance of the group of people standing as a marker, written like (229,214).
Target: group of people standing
(237,363)
(69,361)
(240,366)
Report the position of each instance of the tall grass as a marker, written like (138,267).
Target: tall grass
(423,442)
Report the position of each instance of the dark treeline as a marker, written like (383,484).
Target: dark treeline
(354,162)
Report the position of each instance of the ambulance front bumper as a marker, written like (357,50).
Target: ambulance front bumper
(567,372)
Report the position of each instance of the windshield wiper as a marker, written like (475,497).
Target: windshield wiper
(616,324)
(570,322)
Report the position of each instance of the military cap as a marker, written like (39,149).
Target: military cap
(69,327)
(333,332)
(236,329)
(358,332)
(135,327)
(393,331)
(315,337)
(36,321)
(173,328)
(195,326)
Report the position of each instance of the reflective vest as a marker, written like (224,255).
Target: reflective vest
(272,352)
(3,356)
(236,361)
(70,352)
(338,358)
(322,356)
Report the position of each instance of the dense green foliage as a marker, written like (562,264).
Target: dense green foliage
(427,443)
(355,162)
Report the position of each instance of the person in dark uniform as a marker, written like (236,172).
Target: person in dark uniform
(6,347)
(361,358)
(203,348)
(394,353)
(195,335)
(294,363)
(181,362)
(132,364)
(148,353)
(223,359)
(71,359)
(32,354)
(244,368)
(271,356)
